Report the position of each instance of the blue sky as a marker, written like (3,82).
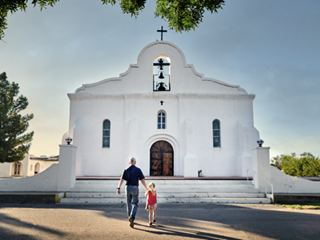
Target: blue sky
(270,48)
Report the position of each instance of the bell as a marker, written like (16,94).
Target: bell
(161,75)
(162,87)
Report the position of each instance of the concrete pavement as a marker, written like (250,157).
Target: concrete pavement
(174,221)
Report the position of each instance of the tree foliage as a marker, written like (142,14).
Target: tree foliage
(181,15)
(13,144)
(307,165)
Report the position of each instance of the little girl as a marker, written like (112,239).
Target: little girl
(151,202)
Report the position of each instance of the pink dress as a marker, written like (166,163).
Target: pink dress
(151,199)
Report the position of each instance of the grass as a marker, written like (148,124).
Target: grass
(308,206)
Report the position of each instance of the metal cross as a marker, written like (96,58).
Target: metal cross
(161,64)
(162,31)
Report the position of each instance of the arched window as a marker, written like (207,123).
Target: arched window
(106,134)
(17,169)
(216,133)
(161,120)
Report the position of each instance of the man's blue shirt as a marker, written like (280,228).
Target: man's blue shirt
(132,175)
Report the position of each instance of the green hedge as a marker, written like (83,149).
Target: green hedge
(306,166)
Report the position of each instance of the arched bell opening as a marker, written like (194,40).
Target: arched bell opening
(161,74)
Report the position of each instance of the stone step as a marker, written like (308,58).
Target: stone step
(172,187)
(168,200)
(170,182)
(174,190)
(166,195)
(169,191)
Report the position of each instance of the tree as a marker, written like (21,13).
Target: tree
(306,166)
(277,161)
(306,154)
(181,15)
(13,145)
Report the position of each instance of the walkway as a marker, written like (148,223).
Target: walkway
(174,221)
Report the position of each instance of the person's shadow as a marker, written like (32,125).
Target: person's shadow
(162,229)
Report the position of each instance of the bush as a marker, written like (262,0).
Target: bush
(305,166)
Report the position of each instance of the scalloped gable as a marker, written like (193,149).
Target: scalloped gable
(139,77)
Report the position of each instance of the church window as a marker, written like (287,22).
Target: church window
(216,133)
(17,167)
(161,75)
(161,120)
(106,134)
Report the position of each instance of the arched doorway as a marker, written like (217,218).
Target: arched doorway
(161,159)
(36,168)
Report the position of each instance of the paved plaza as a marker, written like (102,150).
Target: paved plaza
(174,221)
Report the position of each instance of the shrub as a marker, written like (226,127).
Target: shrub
(305,166)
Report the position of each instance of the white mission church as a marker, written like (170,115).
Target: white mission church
(175,122)
(168,116)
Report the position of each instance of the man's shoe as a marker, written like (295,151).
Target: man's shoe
(131,222)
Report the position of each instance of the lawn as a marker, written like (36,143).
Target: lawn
(315,205)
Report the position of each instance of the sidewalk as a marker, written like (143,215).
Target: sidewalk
(174,221)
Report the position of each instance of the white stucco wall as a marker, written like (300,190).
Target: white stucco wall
(6,169)
(131,105)
(265,174)
(59,177)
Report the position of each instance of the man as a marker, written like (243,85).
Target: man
(132,175)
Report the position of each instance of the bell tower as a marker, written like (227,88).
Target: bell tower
(161,74)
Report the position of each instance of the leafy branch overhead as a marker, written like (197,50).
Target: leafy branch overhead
(181,15)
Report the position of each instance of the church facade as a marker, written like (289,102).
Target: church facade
(172,119)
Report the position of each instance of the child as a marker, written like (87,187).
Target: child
(151,202)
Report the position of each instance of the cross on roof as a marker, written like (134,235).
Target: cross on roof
(161,64)
(162,31)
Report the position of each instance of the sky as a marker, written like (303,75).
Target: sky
(270,48)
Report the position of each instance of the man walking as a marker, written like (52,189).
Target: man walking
(132,175)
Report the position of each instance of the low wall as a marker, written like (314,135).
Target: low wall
(59,177)
(296,198)
(28,197)
(282,183)
(44,181)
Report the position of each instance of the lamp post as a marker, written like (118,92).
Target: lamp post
(68,140)
(260,142)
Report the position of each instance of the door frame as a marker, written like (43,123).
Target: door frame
(150,153)
(178,165)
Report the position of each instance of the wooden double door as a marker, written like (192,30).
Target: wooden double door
(161,159)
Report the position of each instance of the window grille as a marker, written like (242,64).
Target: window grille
(161,120)
(216,133)
(106,134)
